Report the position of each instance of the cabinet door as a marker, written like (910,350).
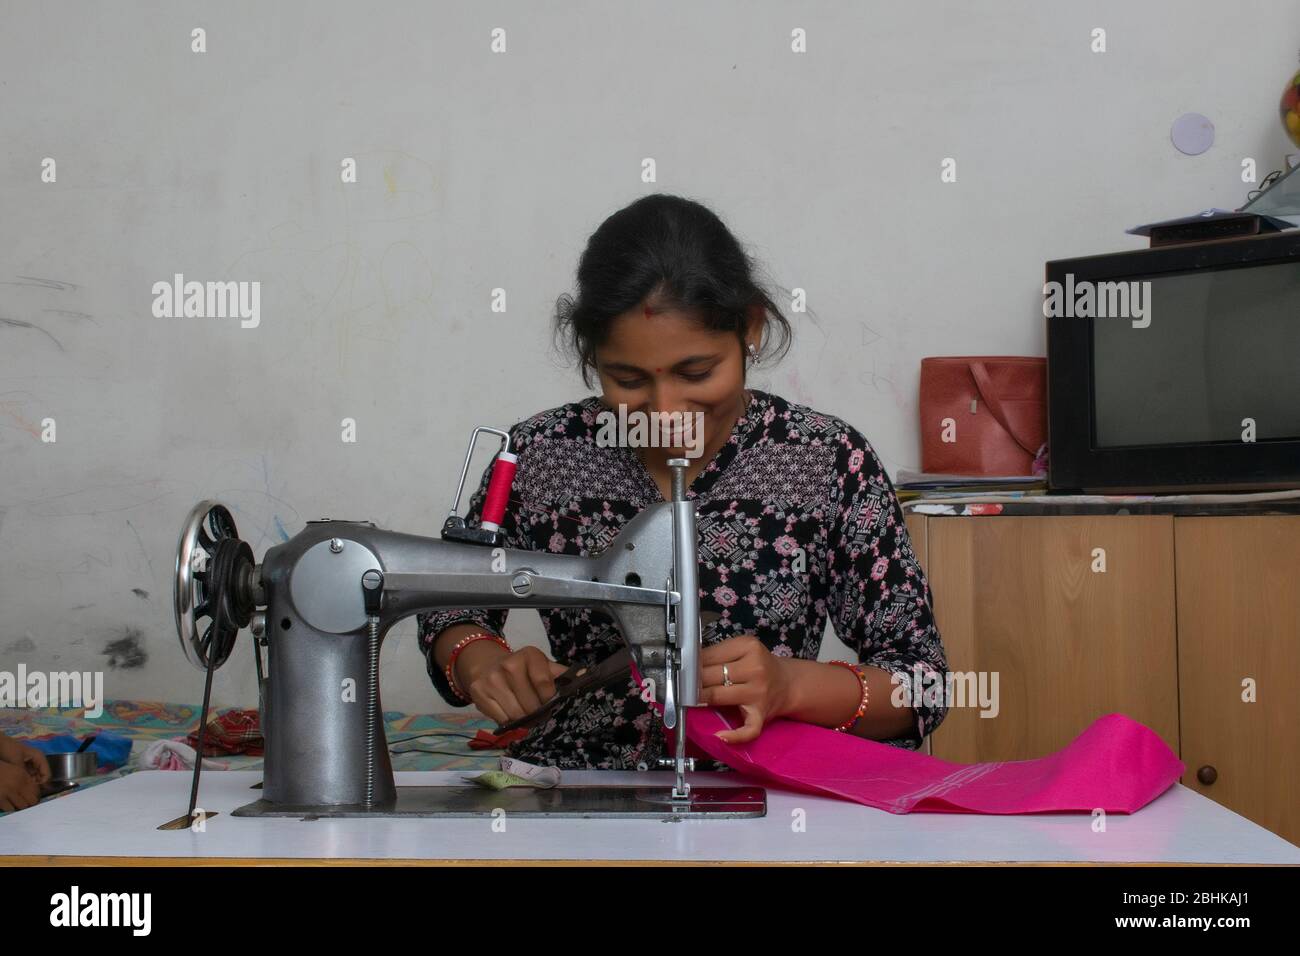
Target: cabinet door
(1074,616)
(1238,632)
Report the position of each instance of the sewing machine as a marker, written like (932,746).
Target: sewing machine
(320,604)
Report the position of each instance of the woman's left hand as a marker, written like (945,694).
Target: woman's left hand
(760,683)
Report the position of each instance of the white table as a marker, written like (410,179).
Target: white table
(116,823)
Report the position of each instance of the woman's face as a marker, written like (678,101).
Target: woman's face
(666,362)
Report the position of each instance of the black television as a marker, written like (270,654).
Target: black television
(1175,369)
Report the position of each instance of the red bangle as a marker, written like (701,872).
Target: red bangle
(866,693)
(463,643)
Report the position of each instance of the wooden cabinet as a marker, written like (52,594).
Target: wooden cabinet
(1238,632)
(1157,617)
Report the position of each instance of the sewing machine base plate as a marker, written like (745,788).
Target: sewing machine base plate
(583,801)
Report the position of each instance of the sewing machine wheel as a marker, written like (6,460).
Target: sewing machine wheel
(213,575)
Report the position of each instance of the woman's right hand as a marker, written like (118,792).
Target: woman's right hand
(506,686)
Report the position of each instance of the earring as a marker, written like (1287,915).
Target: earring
(753,353)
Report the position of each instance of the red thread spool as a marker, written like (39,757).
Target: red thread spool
(498,493)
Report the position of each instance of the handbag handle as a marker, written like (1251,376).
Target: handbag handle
(985,386)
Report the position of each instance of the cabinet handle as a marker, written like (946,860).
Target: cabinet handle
(1207,775)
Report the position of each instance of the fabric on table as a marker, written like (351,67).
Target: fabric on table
(231,731)
(1116,764)
(487,740)
(175,755)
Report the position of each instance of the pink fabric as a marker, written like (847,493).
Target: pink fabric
(175,754)
(1116,765)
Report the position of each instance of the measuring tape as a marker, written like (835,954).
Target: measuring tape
(544,777)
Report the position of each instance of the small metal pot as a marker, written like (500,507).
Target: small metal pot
(72,766)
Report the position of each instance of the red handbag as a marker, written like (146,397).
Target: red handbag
(982,415)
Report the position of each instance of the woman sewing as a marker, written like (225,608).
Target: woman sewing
(798,521)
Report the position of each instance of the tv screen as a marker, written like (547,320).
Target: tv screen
(1214,349)
(1176,368)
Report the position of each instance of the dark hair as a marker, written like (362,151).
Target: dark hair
(673,254)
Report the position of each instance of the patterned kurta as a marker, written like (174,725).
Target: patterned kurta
(787,479)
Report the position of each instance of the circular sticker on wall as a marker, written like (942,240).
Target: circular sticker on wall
(1192,133)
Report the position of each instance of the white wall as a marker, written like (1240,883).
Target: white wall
(480,171)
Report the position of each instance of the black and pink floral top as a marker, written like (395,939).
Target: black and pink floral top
(788,478)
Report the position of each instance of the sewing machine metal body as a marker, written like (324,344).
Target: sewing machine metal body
(318,640)
(332,593)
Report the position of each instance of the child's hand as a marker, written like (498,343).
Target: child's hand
(36,764)
(18,788)
(23,755)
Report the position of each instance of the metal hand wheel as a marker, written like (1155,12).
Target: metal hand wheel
(213,594)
